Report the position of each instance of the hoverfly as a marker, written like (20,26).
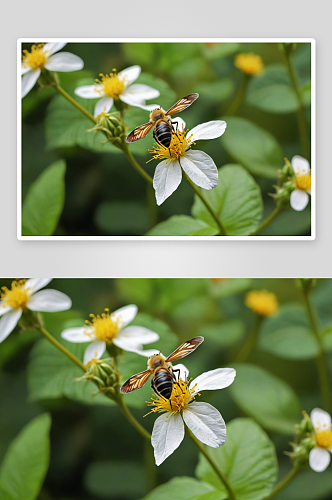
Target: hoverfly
(163,125)
(163,375)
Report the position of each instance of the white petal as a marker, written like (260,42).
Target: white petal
(214,379)
(130,74)
(300,165)
(103,105)
(125,314)
(89,91)
(142,91)
(139,334)
(8,323)
(320,419)
(65,61)
(298,200)
(184,372)
(25,69)
(130,346)
(51,48)
(138,103)
(77,334)
(35,284)
(4,308)
(208,130)
(319,459)
(49,301)
(94,351)
(206,423)
(28,81)
(200,168)
(167,435)
(166,179)
(181,123)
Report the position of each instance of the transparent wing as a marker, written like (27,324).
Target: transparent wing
(185,349)
(182,104)
(139,132)
(135,382)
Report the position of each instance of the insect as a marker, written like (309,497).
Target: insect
(163,374)
(162,122)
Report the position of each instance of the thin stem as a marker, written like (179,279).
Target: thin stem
(199,194)
(322,367)
(250,341)
(130,417)
(300,113)
(231,494)
(136,165)
(283,483)
(270,218)
(239,96)
(151,476)
(76,104)
(61,348)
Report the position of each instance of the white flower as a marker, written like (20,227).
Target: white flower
(23,295)
(319,457)
(299,198)
(118,86)
(204,421)
(40,57)
(199,166)
(110,328)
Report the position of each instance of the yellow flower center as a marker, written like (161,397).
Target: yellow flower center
(324,439)
(37,58)
(262,302)
(179,400)
(303,182)
(179,145)
(17,296)
(249,63)
(105,326)
(112,84)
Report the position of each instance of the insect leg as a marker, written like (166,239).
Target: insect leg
(178,380)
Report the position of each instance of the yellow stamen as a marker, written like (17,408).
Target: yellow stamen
(179,145)
(113,85)
(37,58)
(303,182)
(262,302)
(324,439)
(17,296)
(105,326)
(249,63)
(181,395)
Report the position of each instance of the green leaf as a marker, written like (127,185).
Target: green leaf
(271,91)
(44,201)
(326,338)
(212,495)
(215,92)
(288,334)
(255,148)
(236,200)
(182,225)
(180,488)
(231,286)
(248,460)
(25,464)
(266,398)
(217,50)
(223,334)
(130,217)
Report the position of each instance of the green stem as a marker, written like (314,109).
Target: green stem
(76,104)
(61,348)
(150,467)
(270,218)
(134,163)
(300,113)
(199,194)
(322,367)
(283,483)
(130,417)
(250,341)
(239,96)
(231,494)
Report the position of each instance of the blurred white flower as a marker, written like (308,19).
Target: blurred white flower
(110,328)
(299,198)
(118,86)
(204,421)
(319,457)
(21,295)
(40,57)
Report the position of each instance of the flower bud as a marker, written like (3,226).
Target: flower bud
(105,375)
(112,126)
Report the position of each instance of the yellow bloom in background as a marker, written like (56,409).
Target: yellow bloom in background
(262,302)
(249,63)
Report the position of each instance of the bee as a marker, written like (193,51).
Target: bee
(163,374)
(163,125)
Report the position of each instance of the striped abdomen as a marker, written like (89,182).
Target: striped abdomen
(163,133)
(163,383)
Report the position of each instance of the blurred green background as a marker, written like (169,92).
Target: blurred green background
(103,194)
(95,453)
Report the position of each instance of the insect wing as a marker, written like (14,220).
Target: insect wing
(182,104)
(139,132)
(135,382)
(185,349)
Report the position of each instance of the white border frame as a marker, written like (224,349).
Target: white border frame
(312,41)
